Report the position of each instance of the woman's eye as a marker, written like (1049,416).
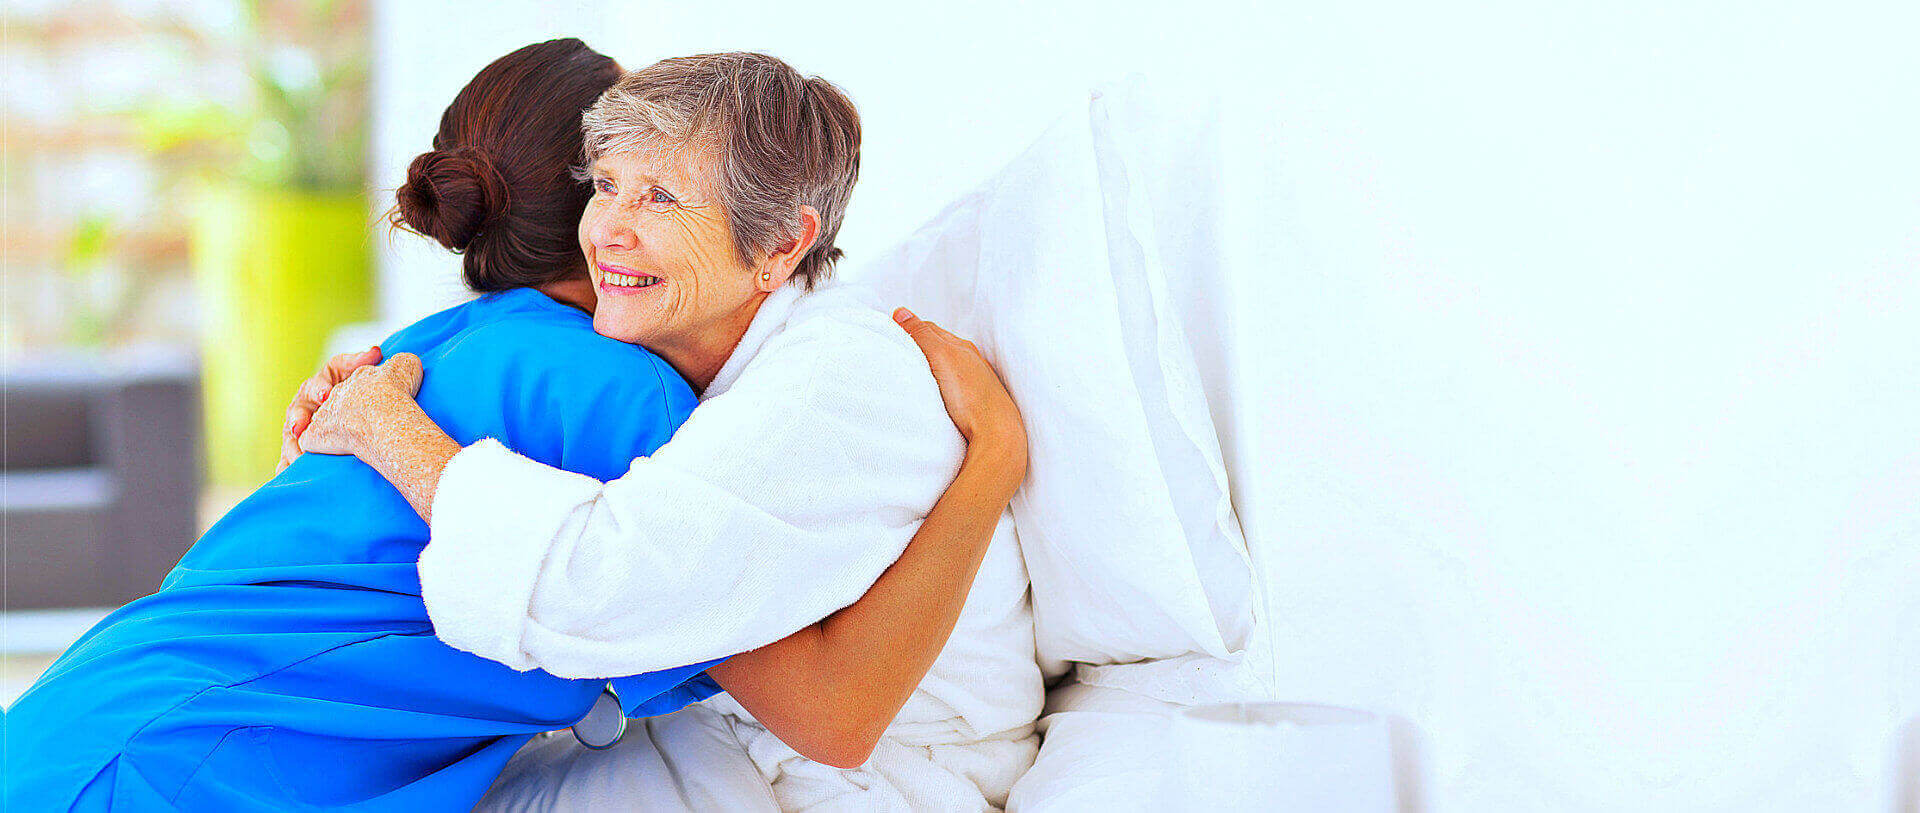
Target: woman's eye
(603,186)
(660,196)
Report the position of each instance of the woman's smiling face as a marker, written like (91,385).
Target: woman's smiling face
(661,253)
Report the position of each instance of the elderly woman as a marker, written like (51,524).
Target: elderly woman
(819,445)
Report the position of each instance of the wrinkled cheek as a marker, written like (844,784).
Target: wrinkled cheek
(681,302)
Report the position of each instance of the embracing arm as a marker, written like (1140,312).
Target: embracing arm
(833,687)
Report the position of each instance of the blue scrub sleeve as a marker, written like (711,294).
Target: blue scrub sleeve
(642,695)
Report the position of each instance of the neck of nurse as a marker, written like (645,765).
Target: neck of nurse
(574,291)
(699,358)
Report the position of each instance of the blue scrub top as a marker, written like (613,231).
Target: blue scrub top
(288,661)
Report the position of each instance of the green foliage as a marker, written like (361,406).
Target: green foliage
(306,128)
(88,244)
(98,301)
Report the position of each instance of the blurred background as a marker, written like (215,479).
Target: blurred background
(186,224)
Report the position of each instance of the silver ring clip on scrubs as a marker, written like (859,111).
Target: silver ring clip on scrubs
(604,723)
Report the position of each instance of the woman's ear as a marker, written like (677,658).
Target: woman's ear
(786,256)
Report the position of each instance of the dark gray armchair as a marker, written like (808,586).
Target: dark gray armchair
(101,476)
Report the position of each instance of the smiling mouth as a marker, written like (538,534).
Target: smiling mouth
(620,280)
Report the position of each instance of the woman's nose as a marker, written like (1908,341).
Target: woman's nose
(609,230)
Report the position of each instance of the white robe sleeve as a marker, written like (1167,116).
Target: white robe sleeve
(780,501)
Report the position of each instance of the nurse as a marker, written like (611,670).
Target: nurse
(289,661)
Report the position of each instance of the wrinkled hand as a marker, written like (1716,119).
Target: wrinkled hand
(312,393)
(978,402)
(371,397)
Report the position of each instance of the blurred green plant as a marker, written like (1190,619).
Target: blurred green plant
(99,299)
(306,126)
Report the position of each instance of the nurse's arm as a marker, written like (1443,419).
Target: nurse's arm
(830,690)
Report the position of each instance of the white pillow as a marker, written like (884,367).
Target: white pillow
(1054,268)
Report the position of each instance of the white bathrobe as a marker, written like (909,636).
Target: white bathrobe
(811,461)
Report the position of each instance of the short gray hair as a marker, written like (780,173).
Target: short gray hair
(782,140)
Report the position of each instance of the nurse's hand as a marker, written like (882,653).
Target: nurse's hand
(312,393)
(976,400)
(359,408)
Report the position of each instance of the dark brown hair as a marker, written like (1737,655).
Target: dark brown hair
(497,186)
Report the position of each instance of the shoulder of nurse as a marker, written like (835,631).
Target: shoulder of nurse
(554,346)
(581,358)
(545,344)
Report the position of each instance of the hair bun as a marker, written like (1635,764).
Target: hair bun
(451,195)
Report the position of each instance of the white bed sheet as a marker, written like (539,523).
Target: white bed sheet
(1111,749)
(1104,749)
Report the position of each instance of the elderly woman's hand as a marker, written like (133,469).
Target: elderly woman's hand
(358,406)
(978,402)
(312,393)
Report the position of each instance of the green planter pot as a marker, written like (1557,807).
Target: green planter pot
(277,271)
